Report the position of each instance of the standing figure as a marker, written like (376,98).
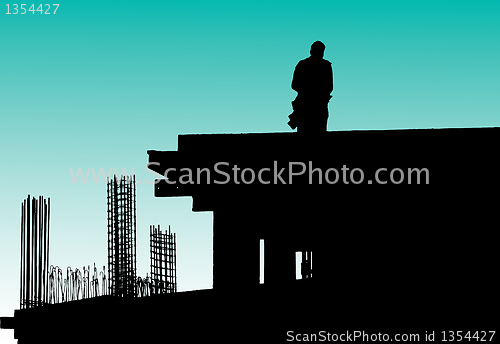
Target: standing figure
(313,81)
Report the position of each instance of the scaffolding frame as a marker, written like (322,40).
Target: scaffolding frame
(122,262)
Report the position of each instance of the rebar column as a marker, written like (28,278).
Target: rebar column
(33,290)
(163,261)
(122,236)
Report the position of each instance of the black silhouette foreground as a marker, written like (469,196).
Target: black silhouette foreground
(384,258)
(313,81)
(392,254)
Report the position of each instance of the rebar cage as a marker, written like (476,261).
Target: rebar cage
(163,261)
(122,236)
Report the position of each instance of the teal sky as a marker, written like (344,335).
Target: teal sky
(99,83)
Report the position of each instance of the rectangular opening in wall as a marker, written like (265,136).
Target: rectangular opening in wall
(261,274)
(311,259)
(298,262)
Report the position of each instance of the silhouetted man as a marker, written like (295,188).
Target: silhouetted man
(313,81)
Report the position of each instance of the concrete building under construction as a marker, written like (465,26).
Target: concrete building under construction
(400,226)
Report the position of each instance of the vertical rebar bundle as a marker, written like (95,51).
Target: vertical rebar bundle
(121,236)
(76,286)
(163,261)
(34,286)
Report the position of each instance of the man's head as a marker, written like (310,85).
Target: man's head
(317,49)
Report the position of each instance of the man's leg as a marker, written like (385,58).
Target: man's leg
(324,119)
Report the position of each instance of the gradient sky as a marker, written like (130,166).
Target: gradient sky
(99,83)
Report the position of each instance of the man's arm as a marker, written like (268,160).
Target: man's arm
(330,78)
(296,80)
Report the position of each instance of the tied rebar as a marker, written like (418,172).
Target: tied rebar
(163,261)
(122,236)
(42,285)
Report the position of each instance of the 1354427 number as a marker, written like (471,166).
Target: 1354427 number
(457,336)
(22,8)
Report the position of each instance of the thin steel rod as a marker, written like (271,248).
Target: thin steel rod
(21,287)
(40,246)
(28,258)
(48,239)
